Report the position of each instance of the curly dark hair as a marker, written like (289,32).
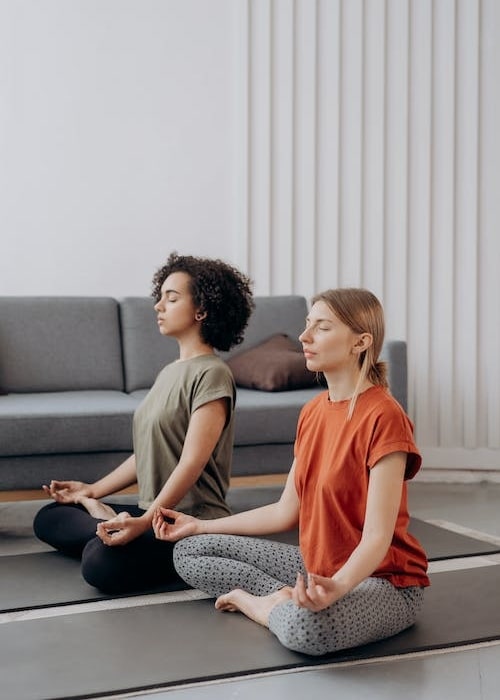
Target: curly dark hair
(218,289)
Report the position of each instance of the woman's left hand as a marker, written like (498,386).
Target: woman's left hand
(319,593)
(122,529)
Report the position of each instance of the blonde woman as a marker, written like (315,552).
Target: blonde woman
(357,575)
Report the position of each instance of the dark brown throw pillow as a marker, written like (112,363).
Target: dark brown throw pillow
(277,364)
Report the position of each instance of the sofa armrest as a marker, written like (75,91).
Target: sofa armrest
(394,353)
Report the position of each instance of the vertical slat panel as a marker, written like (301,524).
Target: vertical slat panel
(351,110)
(260,139)
(396,169)
(374,88)
(243,153)
(419,206)
(327,251)
(283,119)
(305,146)
(466,170)
(443,222)
(371,155)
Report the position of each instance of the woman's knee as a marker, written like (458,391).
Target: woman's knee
(211,547)
(197,546)
(184,551)
(64,527)
(41,521)
(140,564)
(102,567)
(300,630)
(102,564)
(372,612)
(98,569)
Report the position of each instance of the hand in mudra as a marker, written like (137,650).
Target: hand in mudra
(316,592)
(171,526)
(68,491)
(122,529)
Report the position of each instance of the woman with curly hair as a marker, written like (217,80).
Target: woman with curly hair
(182,432)
(357,575)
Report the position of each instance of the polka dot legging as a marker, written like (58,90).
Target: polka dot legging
(375,609)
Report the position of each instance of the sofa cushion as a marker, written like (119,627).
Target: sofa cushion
(275,314)
(66,422)
(59,344)
(145,350)
(263,418)
(270,417)
(277,364)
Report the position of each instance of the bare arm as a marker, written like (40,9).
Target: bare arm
(384,497)
(74,491)
(205,428)
(124,475)
(204,431)
(275,517)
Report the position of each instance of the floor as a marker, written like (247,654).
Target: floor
(469,673)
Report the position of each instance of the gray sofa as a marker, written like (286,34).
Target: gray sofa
(73,370)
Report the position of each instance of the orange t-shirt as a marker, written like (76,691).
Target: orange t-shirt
(334,457)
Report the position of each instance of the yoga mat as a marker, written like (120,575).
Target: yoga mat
(46,579)
(133,649)
(441,543)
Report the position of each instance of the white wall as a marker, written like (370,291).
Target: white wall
(315,143)
(116,142)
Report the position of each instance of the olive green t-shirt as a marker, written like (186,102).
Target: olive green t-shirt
(160,426)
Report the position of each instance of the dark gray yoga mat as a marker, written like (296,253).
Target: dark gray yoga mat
(441,543)
(115,651)
(45,579)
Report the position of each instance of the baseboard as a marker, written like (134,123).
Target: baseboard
(482,459)
(236,481)
(427,474)
(458,476)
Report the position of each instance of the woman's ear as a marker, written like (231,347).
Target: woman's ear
(200,315)
(363,342)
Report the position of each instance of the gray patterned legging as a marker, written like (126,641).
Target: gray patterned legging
(375,609)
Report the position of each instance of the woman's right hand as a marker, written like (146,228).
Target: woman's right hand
(68,491)
(178,525)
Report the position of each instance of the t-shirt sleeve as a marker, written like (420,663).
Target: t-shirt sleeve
(393,432)
(213,383)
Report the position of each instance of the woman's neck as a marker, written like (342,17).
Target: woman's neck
(342,388)
(187,351)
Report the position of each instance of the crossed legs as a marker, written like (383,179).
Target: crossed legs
(255,577)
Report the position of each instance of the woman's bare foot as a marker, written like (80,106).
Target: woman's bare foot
(97,509)
(257,608)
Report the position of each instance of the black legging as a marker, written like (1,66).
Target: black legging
(143,564)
